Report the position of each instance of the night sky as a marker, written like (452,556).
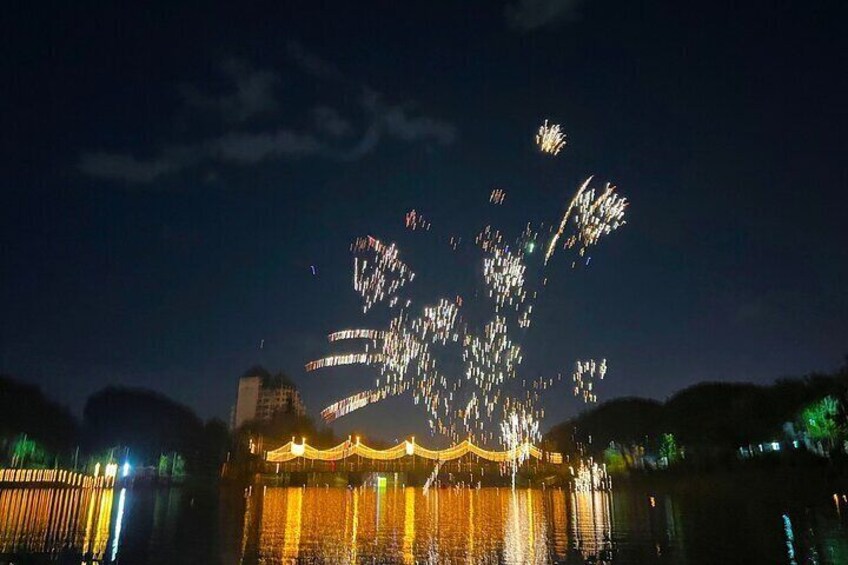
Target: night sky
(171,173)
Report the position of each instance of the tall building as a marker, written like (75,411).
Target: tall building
(260,396)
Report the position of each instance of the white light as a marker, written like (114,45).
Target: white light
(118,523)
(126,470)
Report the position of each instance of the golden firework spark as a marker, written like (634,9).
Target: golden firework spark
(594,218)
(584,376)
(415,221)
(550,139)
(564,222)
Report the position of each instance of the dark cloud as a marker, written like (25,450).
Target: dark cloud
(253,93)
(329,121)
(366,144)
(123,167)
(398,122)
(313,64)
(249,148)
(528,15)
(126,167)
(239,148)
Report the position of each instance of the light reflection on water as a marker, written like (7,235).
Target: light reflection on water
(402,525)
(52,521)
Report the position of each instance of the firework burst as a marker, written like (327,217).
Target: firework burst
(593,218)
(381,276)
(550,138)
(480,400)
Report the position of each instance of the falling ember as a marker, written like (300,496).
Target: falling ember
(498,196)
(415,221)
(585,375)
(590,477)
(550,139)
(383,276)
(519,430)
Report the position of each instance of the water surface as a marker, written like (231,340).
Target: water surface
(403,525)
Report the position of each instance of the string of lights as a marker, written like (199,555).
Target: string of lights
(293,450)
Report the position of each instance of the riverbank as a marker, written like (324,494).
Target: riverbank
(781,480)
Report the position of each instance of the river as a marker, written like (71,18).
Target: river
(403,525)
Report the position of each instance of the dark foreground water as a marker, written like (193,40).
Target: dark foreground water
(402,525)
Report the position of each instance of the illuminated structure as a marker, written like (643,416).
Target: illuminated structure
(57,477)
(261,396)
(408,448)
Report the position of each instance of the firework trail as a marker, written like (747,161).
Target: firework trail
(564,222)
(594,217)
(354,402)
(355,334)
(348,359)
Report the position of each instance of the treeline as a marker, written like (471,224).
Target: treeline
(711,421)
(24,408)
(118,424)
(284,426)
(149,425)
